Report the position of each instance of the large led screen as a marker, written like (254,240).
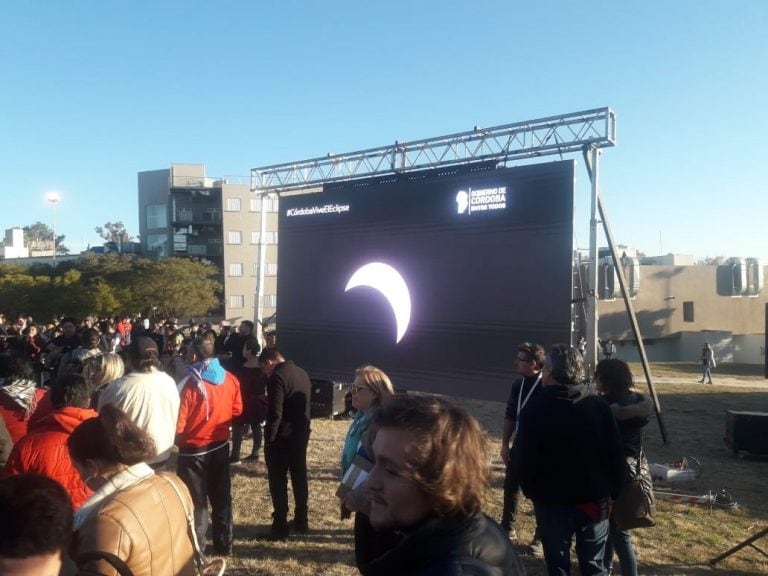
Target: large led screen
(434,277)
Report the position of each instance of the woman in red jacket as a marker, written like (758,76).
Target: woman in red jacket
(44,449)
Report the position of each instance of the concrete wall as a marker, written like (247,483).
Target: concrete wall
(659,306)
(247,221)
(749,348)
(13,247)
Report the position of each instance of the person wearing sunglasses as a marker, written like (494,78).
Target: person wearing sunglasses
(528,362)
(369,390)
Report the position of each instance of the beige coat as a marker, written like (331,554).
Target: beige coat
(145,526)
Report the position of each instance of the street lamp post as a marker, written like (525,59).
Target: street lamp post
(53,198)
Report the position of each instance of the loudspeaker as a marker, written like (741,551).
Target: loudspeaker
(747,432)
(329,399)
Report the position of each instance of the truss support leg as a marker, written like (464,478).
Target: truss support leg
(748,542)
(591,158)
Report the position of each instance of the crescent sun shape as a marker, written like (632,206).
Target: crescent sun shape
(390,283)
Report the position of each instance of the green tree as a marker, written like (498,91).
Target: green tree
(110,284)
(115,234)
(176,287)
(23,293)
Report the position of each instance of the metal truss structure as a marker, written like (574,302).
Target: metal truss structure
(585,132)
(562,134)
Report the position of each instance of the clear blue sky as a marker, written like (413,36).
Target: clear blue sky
(93,92)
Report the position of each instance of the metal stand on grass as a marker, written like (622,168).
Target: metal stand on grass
(748,542)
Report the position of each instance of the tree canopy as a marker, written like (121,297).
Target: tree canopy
(114,232)
(111,284)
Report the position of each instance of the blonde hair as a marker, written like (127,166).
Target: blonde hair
(377,382)
(110,368)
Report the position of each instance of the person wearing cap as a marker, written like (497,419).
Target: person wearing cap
(148,395)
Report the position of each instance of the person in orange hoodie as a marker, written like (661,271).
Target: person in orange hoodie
(44,449)
(210,399)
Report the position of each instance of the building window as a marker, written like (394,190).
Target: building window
(157,244)
(234,237)
(233,204)
(687,311)
(270,237)
(270,269)
(157,216)
(270,300)
(236,269)
(236,301)
(271,204)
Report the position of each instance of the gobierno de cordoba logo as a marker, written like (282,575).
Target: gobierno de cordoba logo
(481,200)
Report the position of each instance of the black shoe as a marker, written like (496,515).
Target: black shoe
(279,532)
(299,527)
(252,459)
(224,551)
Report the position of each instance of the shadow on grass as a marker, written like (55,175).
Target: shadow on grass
(319,546)
(693,570)
(696,426)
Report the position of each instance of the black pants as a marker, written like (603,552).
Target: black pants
(206,474)
(238,430)
(282,456)
(511,490)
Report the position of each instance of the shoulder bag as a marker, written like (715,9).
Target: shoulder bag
(636,504)
(205,567)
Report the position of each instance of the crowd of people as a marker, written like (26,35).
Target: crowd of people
(129,432)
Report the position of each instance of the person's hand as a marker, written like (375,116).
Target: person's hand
(505,454)
(349,503)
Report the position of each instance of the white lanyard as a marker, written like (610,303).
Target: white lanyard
(520,402)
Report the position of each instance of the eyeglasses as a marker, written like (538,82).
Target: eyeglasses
(358,387)
(521,359)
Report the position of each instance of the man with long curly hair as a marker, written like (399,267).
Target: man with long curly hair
(428,483)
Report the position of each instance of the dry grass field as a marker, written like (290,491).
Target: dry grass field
(685,538)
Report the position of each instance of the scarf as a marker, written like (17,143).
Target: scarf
(352,441)
(120,481)
(22,393)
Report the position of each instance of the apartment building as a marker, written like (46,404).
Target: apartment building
(184,213)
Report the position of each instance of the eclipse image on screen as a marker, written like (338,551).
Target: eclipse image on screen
(436,277)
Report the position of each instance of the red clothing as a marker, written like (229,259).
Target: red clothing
(17,419)
(44,451)
(124,329)
(206,421)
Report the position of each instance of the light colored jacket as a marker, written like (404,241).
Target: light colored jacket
(145,526)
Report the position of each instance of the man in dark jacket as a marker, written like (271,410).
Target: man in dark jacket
(528,362)
(286,435)
(572,464)
(428,482)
